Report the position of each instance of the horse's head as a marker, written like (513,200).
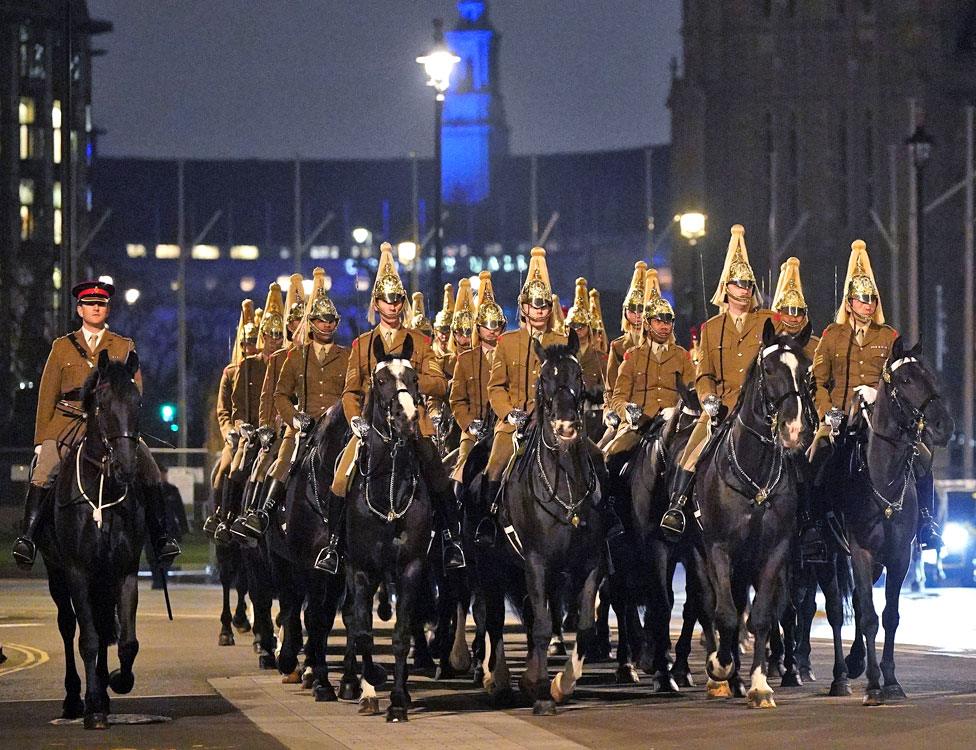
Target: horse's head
(559,393)
(781,372)
(395,391)
(112,400)
(914,395)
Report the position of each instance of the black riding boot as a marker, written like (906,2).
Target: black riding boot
(673,522)
(24,549)
(213,520)
(252,491)
(222,535)
(487,530)
(166,547)
(813,548)
(929,534)
(329,558)
(451,533)
(258,519)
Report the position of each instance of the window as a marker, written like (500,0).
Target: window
(244,252)
(26,223)
(869,157)
(56,125)
(167,252)
(26,192)
(135,250)
(203,252)
(31,138)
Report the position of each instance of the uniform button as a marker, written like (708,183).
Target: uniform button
(739,354)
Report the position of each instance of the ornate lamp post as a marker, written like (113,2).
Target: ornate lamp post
(691,226)
(920,151)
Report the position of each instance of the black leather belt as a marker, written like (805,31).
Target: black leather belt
(73,395)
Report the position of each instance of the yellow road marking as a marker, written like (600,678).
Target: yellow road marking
(35,658)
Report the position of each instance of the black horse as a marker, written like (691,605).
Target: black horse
(881,504)
(389,524)
(550,525)
(747,492)
(93,543)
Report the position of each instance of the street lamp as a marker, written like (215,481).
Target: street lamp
(692,227)
(407,255)
(438,64)
(920,145)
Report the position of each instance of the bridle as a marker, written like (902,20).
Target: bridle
(575,392)
(109,440)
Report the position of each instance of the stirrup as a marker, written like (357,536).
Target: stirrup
(211,524)
(453,554)
(328,557)
(256,523)
(673,523)
(168,551)
(238,529)
(24,552)
(813,548)
(486,532)
(222,534)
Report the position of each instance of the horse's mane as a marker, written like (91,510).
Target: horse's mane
(116,375)
(782,339)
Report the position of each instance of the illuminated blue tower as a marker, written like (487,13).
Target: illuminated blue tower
(474,131)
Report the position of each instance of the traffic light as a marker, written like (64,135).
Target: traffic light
(167,412)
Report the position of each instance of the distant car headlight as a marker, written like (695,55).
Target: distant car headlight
(955,537)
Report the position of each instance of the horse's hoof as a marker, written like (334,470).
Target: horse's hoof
(556,690)
(737,688)
(682,679)
(776,669)
(855,667)
(256,647)
(627,674)
(461,661)
(444,671)
(893,692)
(349,691)
(369,706)
(292,678)
(717,689)
(478,676)
(324,692)
(544,708)
(226,639)
(73,707)
(807,675)
(716,671)
(501,698)
(839,689)
(96,721)
(375,675)
(241,625)
(396,714)
(121,683)
(759,699)
(557,647)
(791,679)
(267,661)
(664,684)
(873,697)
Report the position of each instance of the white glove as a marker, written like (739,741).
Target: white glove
(475,427)
(833,417)
(517,417)
(868,394)
(360,427)
(231,437)
(634,413)
(712,404)
(37,450)
(611,419)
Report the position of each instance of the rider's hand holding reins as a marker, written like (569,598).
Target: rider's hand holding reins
(475,427)
(634,413)
(712,404)
(360,427)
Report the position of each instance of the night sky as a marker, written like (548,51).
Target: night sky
(337,78)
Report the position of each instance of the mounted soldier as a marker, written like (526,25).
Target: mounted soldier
(60,424)
(441,345)
(418,318)
(790,305)
(388,301)
(630,326)
(591,359)
(459,340)
(600,341)
(730,343)
(469,391)
(646,379)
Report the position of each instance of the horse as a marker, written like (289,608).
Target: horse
(93,543)
(389,515)
(551,525)
(880,504)
(297,530)
(747,492)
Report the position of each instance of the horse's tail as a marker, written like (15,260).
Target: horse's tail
(104,600)
(845,584)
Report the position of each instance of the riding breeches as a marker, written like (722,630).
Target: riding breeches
(624,441)
(263,465)
(345,467)
(468,441)
(282,464)
(237,463)
(700,436)
(502,450)
(431,467)
(223,467)
(48,464)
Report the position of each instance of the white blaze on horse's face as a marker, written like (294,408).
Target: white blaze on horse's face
(398,369)
(795,426)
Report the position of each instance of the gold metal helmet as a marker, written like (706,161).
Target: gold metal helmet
(860,284)
(537,291)
(656,307)
(246,331)
(388,286)
(579,313)
(788,297)
(295,299)
(319,306)
(418,318)
(462,322)
(273,320)
(634,299)
(490,313)
(442,321)
(736,269)
(596,312)
(558,317)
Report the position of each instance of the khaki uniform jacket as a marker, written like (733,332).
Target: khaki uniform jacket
(245,394)
(359,373)
(310,386)
(727,354)
(618,348)
(268,415)
(840,364)
(225,408)
(648,381)
(810,349)
(594,364)
(514,374)
(65,372)
(469,389)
